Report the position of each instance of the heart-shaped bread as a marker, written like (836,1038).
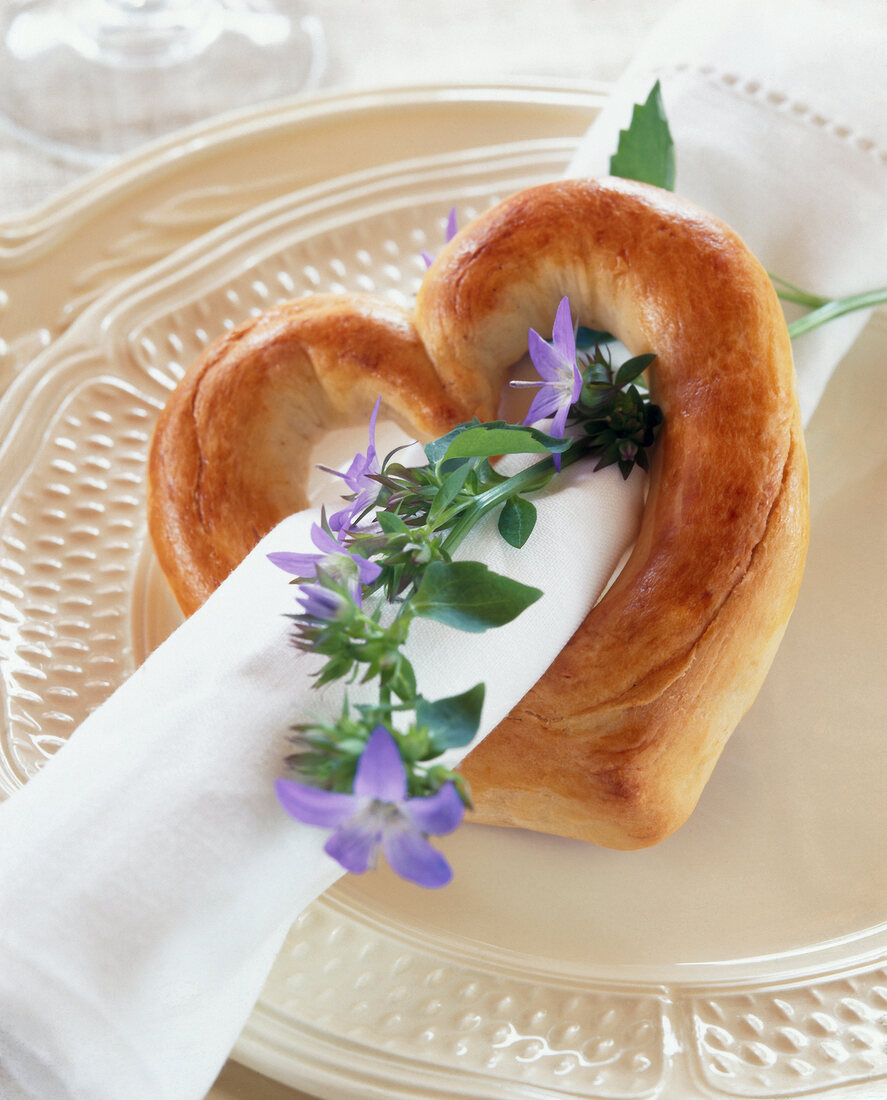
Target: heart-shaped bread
(616,741)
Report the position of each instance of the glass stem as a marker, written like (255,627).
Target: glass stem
(145,33)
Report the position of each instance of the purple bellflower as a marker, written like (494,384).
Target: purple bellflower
(452,230)
(334,559)
(378,815)
(357,478)
(321,603)
(561,380)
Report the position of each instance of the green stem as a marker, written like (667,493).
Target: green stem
(533,477)
(837,308)
(788,292)
(823,310)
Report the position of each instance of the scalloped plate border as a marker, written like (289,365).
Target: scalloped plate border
(111,224)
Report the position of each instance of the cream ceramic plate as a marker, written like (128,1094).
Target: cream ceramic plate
(113,223)
(746,956)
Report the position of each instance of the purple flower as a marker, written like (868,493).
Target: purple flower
(378,814)
(321,603)
(452,230)
(561,379)
(357,478)
(334,559)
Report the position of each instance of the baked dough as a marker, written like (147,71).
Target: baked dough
(616,741)
(231,450)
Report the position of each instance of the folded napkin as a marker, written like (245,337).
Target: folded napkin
(148,875)
(778,119)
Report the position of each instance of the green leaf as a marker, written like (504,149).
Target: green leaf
(520,440)
(633,368)
(391,523)
(485,477)
(402,679)
(336,668)
(469,596)
(451,486)
(499,438)
(453,721)
(592,337)
(646,149)
(437,448)
(516,521)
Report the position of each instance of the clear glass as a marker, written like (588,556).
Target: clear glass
(92,78)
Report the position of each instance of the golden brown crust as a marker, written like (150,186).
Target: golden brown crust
(615,742)
(232,448)
(617,739)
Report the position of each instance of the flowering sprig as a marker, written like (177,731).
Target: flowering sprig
(374,774)
(620,420)
(561,381)
(379,814)
(335,560)
(612,406)
(359,479)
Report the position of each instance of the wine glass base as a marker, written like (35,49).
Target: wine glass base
(88,92)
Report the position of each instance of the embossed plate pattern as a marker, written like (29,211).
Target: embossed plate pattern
(744,957)
(112,224)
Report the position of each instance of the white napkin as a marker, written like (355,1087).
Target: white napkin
(147,876)
(777,113)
